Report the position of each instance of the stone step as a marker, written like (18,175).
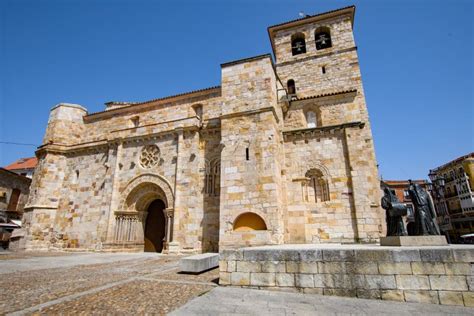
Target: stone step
(199,263)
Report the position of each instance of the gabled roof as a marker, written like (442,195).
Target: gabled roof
(23,163)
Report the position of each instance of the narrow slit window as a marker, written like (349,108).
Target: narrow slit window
(247,157)
(323,69)
(291,86)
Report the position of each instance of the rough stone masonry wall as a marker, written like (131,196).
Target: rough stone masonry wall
(437,275)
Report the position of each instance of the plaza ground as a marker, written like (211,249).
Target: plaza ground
(121,283)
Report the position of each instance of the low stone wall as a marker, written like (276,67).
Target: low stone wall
(438,275)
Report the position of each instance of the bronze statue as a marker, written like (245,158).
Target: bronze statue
(394,210)
(425,216)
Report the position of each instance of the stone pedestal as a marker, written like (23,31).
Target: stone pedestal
(414,241)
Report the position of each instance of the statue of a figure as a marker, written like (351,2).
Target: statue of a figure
(394,210)
(425,216)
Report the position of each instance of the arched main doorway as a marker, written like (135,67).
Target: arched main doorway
(155,226)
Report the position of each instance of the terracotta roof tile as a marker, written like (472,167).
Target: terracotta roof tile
(23,163)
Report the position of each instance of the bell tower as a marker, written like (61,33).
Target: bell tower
(316,61)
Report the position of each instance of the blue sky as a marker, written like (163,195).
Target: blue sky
(416,59)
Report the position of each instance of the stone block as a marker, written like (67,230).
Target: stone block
(450,298)
(374,282)
(373,255)
(405,255)
(395,268)
(292,267)
(414,241)
(248,266)
(448,282)
(393,295)
(222,266)
(338,255)
(308,267)
(430,297)
(311,255)
(366,268)
(199,263)
(340,292)
(312,290)
(343,281)
(231,266)
(464,255)
(273,266)
(224,278)
(335,267)
(425,267)
(262,279)
(304,280)
(285,279)
(437,255)
(369,294)
(468,298)
(240,278)
(231,254)
(412,282)
(458,268)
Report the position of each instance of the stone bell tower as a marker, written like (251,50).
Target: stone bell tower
(316,61)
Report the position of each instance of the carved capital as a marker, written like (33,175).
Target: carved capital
(169,212)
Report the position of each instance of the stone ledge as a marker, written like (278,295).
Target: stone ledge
(413,241)
(432,274)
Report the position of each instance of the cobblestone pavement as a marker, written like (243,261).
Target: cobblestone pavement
(94,283)
(238,301)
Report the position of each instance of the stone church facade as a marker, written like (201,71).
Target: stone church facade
(281,152)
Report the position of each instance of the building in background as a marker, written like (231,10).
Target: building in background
(14,190)
(400,189)
(24,166)
(454,201)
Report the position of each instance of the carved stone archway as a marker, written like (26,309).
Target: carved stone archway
(135,199)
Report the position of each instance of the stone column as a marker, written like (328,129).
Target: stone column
(176,231)
(114,200)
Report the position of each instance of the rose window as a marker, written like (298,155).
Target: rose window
(150,156)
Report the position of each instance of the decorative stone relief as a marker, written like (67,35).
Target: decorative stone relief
(149,157)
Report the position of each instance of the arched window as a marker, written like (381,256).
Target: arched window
(322,37)
(318,187)
(248,222)
(213,175)
(298,44)
(198,110)
(311,119)
(291,86)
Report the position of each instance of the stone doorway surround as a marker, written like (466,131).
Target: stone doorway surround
(155,227)
(129,221)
